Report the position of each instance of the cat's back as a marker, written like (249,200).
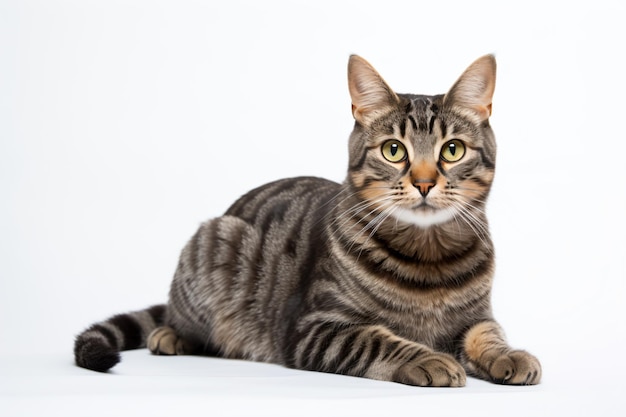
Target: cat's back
(286,201)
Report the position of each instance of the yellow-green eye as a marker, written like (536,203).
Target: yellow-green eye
(453,151)
(394,151)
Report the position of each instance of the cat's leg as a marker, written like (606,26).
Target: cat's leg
(377,353)
(487,355)
(164,341)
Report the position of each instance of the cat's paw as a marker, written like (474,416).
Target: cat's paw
(165,341)
(515,367)
(432,370)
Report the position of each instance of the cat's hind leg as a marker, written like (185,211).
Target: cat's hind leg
(164,341)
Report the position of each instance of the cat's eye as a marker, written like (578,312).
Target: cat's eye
(453,151)
(394,151)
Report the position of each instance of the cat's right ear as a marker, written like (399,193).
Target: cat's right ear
(371,96)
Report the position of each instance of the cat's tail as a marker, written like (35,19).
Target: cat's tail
(98,347)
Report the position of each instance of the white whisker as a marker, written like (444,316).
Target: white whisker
(475,223)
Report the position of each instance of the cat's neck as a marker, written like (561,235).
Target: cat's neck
(368,228)
(436,242)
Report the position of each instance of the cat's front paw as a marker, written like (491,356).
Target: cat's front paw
(515,367)
(432,370)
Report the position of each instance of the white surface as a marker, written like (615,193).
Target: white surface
(124,124)
(163,386)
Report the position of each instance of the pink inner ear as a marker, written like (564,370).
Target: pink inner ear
(484,111)
(474,89)
(369,92)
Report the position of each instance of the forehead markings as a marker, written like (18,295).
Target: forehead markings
(422,113)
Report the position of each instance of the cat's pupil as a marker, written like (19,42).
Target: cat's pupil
(394,149)
(452,148)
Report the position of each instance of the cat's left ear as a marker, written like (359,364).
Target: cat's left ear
(474,89)
(371,96)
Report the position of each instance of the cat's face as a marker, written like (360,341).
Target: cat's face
(423,160)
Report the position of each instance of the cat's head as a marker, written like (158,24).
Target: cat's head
(422,160)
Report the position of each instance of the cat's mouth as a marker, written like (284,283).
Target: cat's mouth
(424,215)
(424,206)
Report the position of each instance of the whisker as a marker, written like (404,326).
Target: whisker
(331,200)
(387,212)
(358,209)
(374,223)
(477,225)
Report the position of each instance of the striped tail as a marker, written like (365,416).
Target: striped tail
(98,348)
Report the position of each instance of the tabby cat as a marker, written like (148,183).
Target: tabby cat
(385,276)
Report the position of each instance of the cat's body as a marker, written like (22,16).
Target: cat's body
(386,276)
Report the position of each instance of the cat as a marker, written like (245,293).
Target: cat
(386,276)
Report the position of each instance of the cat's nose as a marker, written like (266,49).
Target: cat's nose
(424,177)
(424,186)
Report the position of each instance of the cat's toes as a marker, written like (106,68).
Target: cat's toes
(433,370)
(516,368)
(165,341)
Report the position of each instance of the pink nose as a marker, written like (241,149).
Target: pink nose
(424,186)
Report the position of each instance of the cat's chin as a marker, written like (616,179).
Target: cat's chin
(424,218)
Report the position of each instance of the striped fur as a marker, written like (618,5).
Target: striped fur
(387,275)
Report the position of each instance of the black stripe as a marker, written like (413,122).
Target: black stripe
(193,250)
(248,206)
(254,276)
(315,362)
(294,305)
(182,305)
(157,313)
(422,124)
(208,260)
(479,269)
(389,348)
(398,353)
(479,181)
(271,276)
(431,124)
(443,127)
(403,128)
(349,367)
(360,162)
(239,207)
(486,161)
(413,121)
(364,258)
(373,354)
(346,350)
(440,168)
(108,334)
(381,301)
(415,355)
(130,329)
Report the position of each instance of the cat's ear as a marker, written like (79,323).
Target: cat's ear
(371,96)
(474,89)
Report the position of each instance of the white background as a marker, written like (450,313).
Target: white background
(124,124)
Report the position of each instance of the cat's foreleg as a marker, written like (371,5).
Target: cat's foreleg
(377,353)
(486,354)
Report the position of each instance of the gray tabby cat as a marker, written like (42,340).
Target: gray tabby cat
(386,276)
